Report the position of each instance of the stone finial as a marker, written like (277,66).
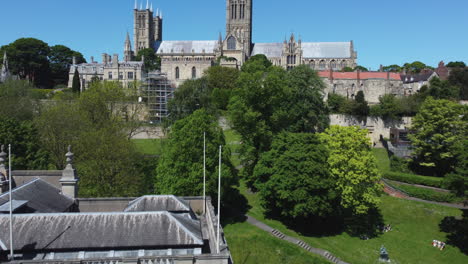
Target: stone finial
(3,172)
(3,156)
(69,156)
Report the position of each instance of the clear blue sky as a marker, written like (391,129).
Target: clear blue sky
(384,32)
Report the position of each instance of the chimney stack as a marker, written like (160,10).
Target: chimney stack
(115,61)
(69,180)
(92,59)
(104,58)
(74,60)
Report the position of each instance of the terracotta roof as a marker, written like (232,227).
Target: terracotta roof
(362,75)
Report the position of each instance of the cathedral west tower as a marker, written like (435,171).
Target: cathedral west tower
(147,27)
(238,42)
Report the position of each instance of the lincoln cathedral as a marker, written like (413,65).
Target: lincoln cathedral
(182,60)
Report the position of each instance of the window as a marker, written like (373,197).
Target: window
(130,75)
(344,64)
(322,65)
(120,75)
(312,64)
(333,65)
(231,43)
(194,73)
(110,76)
(177,73)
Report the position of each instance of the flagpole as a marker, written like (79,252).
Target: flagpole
(11,201)
(219,198)
(204,173)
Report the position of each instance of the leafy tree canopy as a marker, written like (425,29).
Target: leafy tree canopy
(456,64)
(459,77)
(392,68)
(61,58)
(152,62)
(293,178)
(353,168)
(361,68)
(415,67)
(180,167)
(438,127)
(443,89)
(222,82)
(15,100)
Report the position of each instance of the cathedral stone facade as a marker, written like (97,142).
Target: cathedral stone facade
(184,60)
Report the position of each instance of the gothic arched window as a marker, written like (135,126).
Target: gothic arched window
(312,64)
(231,43)
(333,65)
(322,65)
(194,73)
(344,64)
(177,73)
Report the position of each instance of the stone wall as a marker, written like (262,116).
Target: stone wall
(185,64)
(377,126)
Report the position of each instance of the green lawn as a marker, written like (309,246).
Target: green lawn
(383,162)
(414,225)
(233,141)
(149,146)
(249,244)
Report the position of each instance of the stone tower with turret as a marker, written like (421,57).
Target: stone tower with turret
(238,28)
(147,27)
(128,52)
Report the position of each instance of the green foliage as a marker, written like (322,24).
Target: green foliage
(399,164)
(335,102)
(353,168)
(392,107)
(361,108)
(426,194)
(221,82)
(439,126)
(106,160)
(60,59)
(458,180)
(256,63)
(39,94)
(293,178)
(456,64)
(27,153)
(459,77)
(347,69)
(76,84)
(27,58)
(415,67)
(413,178)
(180,167)
(361,68)
(381,157)
(443,89)
(152,62)
(392,68)
(15,100)
(272,100)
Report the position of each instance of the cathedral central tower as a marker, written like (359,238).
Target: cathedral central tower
(239,25)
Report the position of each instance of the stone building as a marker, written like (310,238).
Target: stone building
(110,69)
(52,225)
(373,84)
(412,83)
(184,60)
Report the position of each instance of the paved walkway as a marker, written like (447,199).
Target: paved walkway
(295,241)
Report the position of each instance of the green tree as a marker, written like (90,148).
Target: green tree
(152,62)
(76,85)
(414,67)
(28,58)
(335,102)
(347,69)
(221,82)
(15,100)
(361,68)
(271,100)
(443,89)
(459,77)
(361,106)
(392,68)
(353,168)
(256,63)
(438,128)
(180,167)
(27,152)
(456,64)
(61,58)
(294,180)
(457,181)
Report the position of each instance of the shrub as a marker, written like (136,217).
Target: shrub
(413,178)
(426,194)
(398,164)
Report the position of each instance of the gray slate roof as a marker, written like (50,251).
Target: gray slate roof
(42,197)
(5,208)
(22,177)
(158,203)
(413,78)
(79,231)
(186,46)
(310,50)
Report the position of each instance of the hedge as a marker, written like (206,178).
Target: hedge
(426,194)
(413,178)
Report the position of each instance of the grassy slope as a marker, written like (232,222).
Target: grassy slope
(249,244)
(381,155)
(149,146)
(414,225)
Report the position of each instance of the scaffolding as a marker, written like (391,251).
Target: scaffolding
(156,93)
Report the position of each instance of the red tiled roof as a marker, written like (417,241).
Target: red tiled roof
(362,75)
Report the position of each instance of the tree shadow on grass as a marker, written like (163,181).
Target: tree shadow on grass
(457,230)
(235,208)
